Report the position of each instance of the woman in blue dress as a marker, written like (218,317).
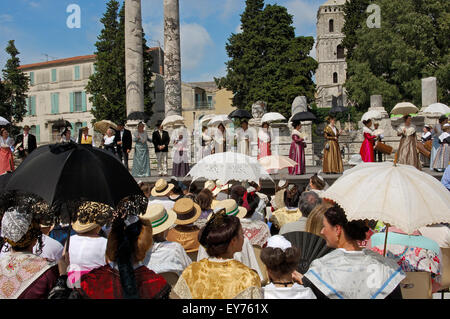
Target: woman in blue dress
(141,160)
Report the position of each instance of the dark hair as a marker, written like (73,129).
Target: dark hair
(194,189)
(317,182)
(280,262)
(126,240)
(253,202)
(442,119)
(354,230)
(237,193)
(146,188)
(204,199)
(291,196)
(427,128)
(218,233)
(365,122)
(307,202)
(295,123)
(177,188)
(405,117)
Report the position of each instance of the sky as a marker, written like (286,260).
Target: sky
(40,31)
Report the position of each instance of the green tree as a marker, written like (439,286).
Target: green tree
(15,85)
(108,84)
(412,44)
(267,61)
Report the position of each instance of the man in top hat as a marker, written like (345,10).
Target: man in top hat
(84,137)
(161,142)
(124,143)
(25,142)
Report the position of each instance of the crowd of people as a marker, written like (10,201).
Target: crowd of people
(219,242)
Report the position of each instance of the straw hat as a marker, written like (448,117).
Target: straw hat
(81,228)
(215,189)
(231,208)
(186,211)
(222,185)
(162,188)
(159,217)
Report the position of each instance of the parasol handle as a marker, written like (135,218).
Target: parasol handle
(385,240)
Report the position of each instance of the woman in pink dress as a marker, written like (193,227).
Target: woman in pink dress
(297,150)
(366,151)
(264,140)
(6,155)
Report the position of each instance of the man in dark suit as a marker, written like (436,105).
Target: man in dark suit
(124,143)
(25,143)
(161,140)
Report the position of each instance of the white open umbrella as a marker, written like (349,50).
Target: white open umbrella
(221,118)
(173,119)
(3,121)
(404,108)
(229,166)
(206,119)
(276,162)
(370,115)
(437,108)
(272,117)
(399,195)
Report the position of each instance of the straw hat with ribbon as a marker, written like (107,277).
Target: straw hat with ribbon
(222,185)
(211,185)
(162,188)
(231,208)
(186,211)
(159,217)
(82,228)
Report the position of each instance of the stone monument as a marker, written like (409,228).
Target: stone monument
(259,108)
(134,65)
(172,57)
(300,104)
(429,91)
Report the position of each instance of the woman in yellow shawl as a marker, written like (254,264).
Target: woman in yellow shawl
(219,276)
(332,160)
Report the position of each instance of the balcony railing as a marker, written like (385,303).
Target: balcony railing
(203,105)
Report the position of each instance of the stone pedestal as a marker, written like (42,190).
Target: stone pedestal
(429,91)
(172,57)
(376,104)
(134,63)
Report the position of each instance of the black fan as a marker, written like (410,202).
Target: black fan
(311,247)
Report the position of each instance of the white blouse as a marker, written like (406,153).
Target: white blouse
(167,257)
(86,253)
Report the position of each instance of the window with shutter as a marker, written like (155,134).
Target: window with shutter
(77,72)
(33,105)
(83,101)
(54,75)
(72,101)
(31,78)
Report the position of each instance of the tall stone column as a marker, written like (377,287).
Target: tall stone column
(134,61)
(172,57)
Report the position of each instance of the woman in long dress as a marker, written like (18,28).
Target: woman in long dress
(6,154)
(297,150)
(243,138)
(181,152)
(332,160)
(141,161)
(264,141)
(366,151)
(220,139)
(443,154)
(206,142)
(407,151)
(437,131)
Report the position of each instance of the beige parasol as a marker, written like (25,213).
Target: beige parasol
(404,108)
(276,162)
(104,125)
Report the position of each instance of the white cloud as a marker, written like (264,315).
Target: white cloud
(195,41)
(34,4)
(6,18)
(154,33)
(230,7)
(238,29)
(305,14)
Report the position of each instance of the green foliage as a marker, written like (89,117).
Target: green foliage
(412,43)
(267,62)
(108,84)
(14,87)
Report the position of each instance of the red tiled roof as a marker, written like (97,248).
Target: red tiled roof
(61,61)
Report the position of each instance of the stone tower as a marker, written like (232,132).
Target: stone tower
(331,72)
